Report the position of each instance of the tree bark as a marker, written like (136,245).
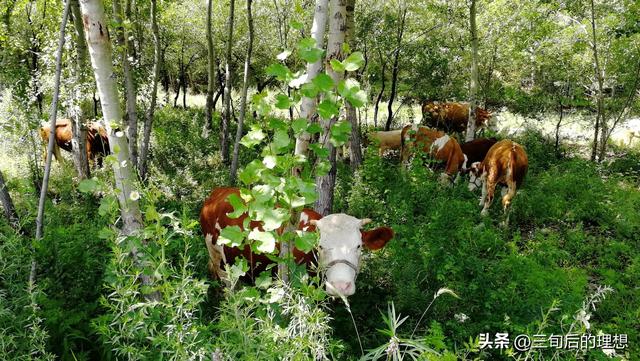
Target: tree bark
(83,107)
(210,74)
(157,63)
(97,35)
(325,184)
(381,93)
(394,73)
(226,119)
(354,140)
(308,106)
(243,99)
(600,120)
(52,140)
(473,90)
(130,87)
(7,205)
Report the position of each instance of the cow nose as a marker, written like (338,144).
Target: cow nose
(345,288)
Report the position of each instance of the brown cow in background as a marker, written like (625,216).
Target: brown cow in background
(97,141)
(451,117)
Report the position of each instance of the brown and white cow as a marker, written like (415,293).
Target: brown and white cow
(477,149)
(340,248)
(97,142)
(387,140)
(451,117)
(506,164)
(438,144)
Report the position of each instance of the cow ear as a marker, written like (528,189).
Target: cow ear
(377,238)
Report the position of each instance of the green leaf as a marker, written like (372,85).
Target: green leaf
(323,168)
(239,207)
(354,61)
(266,239)
(254,137)
(270,161)
(231,236)
(88,185)
(106,233)
(284,55)
(306,241)
(280,71)
(273,218)
(282,101)
(323,82)
(296,25)
(309,90)
(308,51)
(151,214)
(314,128)
(328,109)
(340,132)
(319,150)
(108,204)
(336,65)
(262,193)
(251,173)
(281,139)
(350,90)
(299,125)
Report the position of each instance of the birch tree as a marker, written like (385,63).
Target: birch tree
(308,106)
(130,88)
(243,99)
(210,74)
(157,63)
(473,90)
(396,65)
(78,123)
(354,140)
(325,184)
(97,34)
(7,204)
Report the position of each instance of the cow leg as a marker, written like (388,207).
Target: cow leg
(490,185)
(483,181)
(506,198)
(216,257)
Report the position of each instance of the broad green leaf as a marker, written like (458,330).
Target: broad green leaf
(270,161)
(88,185)
(231,236)
(314,128)
(308,51)
(106,233)
(296,25)
(340,132)
(323,168)
(306,241)
(323,81)
(273,218)
(299,125)
(280,71)
(253,137)
(336,65)
(239,207)
(309,90)
(354,61)
(260,103)
(251,173)
(319,150)
(282,101)
(151,214)
(262,193)
(278,124)
(267,242)
(281,139)
(328,109)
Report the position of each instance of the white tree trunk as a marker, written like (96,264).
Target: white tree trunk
(473,90)
(83,102)
(97,34)
(307,108)
(206,129)
(337,27)
(226,119)
(354,140)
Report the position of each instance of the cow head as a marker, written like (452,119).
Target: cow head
(475,176)
(341,242)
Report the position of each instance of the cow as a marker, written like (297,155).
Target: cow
(477,149)
(386,140)
(438,144)
(97,141)
(506,163)
(340,248)
(451,117)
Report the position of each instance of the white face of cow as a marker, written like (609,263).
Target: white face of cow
(475,179)
(340,251)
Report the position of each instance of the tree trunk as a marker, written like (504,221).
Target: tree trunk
(83,103)
(600,120)
(100,51)
(243,99)
(210,75)
(130,88)
(226,119)
(354,140)
(394,73)
(473,90)
(7,205)
(308,106)
(52,140)
(379,98)
(148,122)
(325,184)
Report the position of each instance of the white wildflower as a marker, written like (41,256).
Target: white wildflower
(134,196)
(461,317)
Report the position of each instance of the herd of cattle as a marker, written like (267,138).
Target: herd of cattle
(487,161)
